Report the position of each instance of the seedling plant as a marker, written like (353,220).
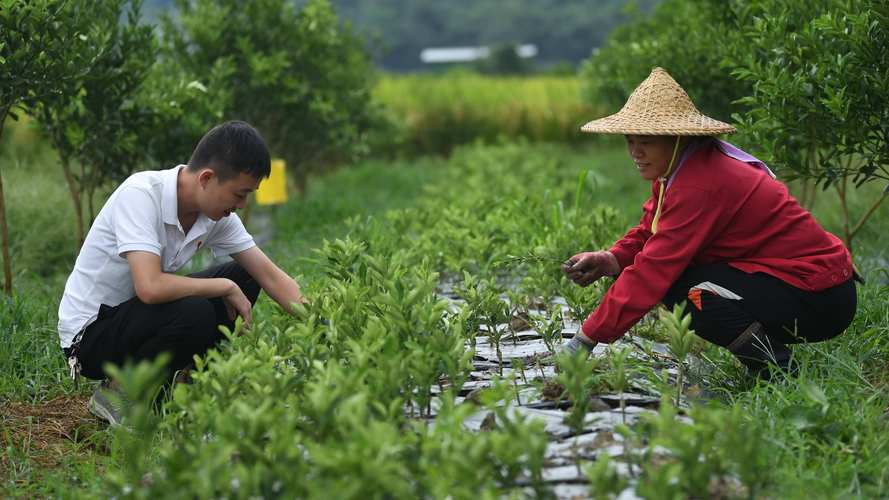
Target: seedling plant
(488,309)
(550,329)
(682,340)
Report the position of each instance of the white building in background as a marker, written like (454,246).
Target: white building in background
(434,55)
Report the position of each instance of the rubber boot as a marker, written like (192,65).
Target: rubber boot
(755,350)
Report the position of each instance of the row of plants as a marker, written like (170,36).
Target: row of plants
(805,81)
(365,403)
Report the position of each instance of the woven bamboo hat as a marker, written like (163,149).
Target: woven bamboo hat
(658,106)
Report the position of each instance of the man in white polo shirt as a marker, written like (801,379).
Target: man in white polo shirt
(123,301)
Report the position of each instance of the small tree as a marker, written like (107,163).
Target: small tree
(808,82)
(102,128)
(689,38)
(42,55)
(299,76)
(820,100)
(184,106)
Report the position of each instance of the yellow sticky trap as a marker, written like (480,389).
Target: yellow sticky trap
(273,190)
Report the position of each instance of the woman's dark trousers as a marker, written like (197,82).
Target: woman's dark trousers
(757,316)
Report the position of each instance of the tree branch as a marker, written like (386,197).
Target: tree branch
(870,212)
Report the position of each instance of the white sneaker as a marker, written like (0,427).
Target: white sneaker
(107,403)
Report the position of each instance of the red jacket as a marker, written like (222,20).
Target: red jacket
(717,209)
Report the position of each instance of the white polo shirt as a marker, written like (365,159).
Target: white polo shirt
(141,214)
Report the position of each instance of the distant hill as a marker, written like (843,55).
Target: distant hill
(563,30)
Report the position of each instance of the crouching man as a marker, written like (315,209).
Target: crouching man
(123,302)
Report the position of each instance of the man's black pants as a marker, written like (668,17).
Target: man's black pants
(788,314)
(135,331)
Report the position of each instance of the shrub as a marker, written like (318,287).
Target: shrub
(691,39)
(820,96)
(299,76)
(43,51)
(183,105)
(100,128)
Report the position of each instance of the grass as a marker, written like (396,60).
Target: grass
(435,113)
(827,428)
(825,431)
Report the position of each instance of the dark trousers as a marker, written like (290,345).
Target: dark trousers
(135,331)
(788,314)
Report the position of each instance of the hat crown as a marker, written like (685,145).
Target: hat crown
(658,106)
(657,95)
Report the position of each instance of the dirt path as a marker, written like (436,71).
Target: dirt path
(46,434)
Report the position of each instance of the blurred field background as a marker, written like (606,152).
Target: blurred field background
(433,113)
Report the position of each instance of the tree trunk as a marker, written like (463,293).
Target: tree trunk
(76,198)
(803,193)
(813,195)
(811,184)
(87,188)
(844,205)
(91,204)
(300,180)
(4,230)
(873,208)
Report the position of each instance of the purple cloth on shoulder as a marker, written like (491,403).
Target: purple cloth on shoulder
(738,154)
(727,149)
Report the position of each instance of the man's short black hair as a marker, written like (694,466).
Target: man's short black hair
(232,148)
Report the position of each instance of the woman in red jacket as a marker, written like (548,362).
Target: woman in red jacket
(720,232)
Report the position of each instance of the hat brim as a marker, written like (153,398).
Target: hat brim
(693,125)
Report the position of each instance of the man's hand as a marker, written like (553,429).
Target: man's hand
(275,282)
(238,305)
(587,267)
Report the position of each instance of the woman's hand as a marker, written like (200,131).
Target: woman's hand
(587,267)
(579,342)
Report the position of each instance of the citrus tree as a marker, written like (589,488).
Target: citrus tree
(806,82)
(298,75)
(820,95)
(43,53)
(692,39)
(184,106)
(99,131)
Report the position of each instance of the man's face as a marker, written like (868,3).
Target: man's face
(651,154)
(220,199)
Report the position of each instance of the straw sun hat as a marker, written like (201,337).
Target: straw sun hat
(658,106)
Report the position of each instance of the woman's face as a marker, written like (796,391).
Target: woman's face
(651,153)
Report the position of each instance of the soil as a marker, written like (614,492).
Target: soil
(47,432)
